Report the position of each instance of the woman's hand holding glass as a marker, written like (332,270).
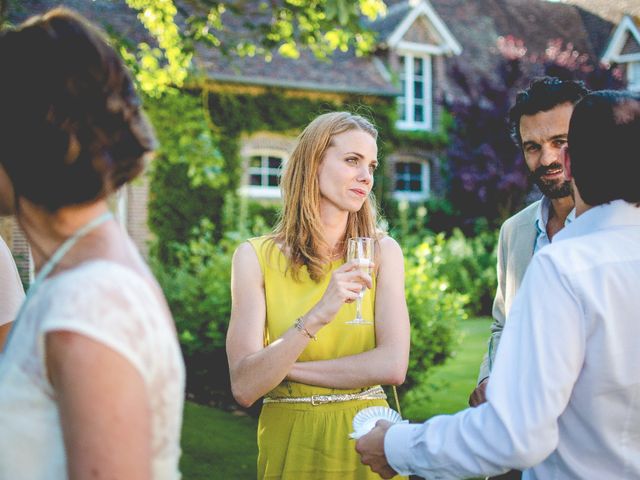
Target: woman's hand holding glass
(360,251)
(346,285)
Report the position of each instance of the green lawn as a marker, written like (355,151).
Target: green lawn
(219,445)
(454,381)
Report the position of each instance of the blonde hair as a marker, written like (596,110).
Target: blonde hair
(299,229)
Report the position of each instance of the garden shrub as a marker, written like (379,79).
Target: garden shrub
(434,309)
(198,289)
(467,263)
(409,223)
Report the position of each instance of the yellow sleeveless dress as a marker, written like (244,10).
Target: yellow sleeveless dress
(302,441)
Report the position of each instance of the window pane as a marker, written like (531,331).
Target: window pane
(418,89)
(417,66)
(401,168)
(418,113)
(255,179)
(408,176)
(634,76)
(275,162)
(273,180)
(255,162)
(401,110)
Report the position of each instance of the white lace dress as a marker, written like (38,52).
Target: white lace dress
(113,305)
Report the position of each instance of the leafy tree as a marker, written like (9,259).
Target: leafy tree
(267,26)
(283,26)
(489,178)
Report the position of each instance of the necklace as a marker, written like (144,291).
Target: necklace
(48,267)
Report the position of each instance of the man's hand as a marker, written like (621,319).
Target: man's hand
(371,450)
(478,396)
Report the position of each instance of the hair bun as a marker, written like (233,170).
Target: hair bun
(71,125)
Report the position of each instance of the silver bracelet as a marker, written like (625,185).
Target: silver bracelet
(300,327)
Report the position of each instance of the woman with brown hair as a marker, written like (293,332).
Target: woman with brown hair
(91,379)
(289,339)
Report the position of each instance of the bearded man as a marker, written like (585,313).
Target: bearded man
(539,122)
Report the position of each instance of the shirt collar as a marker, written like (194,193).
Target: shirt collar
(542,216)
(612,214)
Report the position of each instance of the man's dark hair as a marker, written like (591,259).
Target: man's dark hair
(543,95)
(604,139)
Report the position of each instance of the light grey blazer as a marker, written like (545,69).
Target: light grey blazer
(515,249)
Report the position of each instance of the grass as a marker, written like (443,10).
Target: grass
(219,445)
(453,382)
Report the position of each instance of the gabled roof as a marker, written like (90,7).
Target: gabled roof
(344,72)
(442,41)
(475,26)
(625,43)
(610,10)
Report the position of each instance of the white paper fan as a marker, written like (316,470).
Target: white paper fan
(366,419)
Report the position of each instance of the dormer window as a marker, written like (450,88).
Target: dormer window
(624,49)
(415,105)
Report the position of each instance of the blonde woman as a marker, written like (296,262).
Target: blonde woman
(292,294)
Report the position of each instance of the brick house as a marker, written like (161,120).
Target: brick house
(420,43)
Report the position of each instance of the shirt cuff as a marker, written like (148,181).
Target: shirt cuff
(397,447)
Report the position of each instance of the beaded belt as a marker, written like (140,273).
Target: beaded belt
(373,393)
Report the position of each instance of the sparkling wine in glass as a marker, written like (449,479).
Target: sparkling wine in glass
(360,249)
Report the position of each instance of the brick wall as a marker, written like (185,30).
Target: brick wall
(136,222)
(20,249)
(5,229)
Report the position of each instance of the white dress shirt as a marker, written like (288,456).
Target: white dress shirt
(564,396)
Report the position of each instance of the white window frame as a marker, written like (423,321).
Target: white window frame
(626,30)
(425,177)
(633,76)
(409,99)
(262,191)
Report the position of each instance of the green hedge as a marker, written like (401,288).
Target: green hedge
(434,310)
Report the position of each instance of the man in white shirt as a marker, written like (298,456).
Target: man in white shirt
(539,123)
(564,396)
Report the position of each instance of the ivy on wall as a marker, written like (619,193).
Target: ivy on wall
(234,114)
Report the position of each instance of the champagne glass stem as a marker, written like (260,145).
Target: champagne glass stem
(358,309)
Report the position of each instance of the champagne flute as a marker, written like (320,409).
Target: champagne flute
(360,249)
